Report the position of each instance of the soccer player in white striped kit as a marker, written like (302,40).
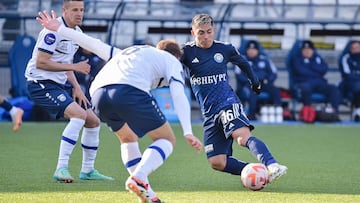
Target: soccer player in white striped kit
(121,98)
(52,85)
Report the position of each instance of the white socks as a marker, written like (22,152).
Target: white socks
(69,138)
(89,144)
(131,156)
(153,157)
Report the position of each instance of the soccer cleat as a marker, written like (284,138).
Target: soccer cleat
(63,175)
(94,175)
(154,200)
(276,171)
(17,119)
(138,187)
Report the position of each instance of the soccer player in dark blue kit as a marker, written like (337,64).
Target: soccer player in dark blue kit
(224,118)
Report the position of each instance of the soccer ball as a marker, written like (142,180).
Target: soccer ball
(255,176)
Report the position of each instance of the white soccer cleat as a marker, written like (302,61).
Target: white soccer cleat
(139,187)
(276,171)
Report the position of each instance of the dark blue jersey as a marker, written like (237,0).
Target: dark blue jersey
(208,74)
(350,67)
(309,70)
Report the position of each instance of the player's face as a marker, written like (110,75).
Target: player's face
(73,12)
(355,48)
(307,52)
(204,35)
(252,53)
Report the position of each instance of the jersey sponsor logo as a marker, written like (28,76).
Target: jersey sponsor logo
(218,57)
(49,39)
(210,79)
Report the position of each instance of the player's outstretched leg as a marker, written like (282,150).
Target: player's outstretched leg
(276,171)
(137,186)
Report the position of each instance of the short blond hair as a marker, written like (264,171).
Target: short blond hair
(201,19)
(171,46)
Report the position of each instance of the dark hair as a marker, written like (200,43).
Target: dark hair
(170,46)
(252,44)
(307,44)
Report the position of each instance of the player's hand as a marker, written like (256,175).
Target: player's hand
(256,88)
(49,22)
(79,97)
(194,142)
(82,67)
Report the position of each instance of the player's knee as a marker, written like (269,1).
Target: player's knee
(217,166)
(75,111)
(217,163)
(241,136)
(92,121)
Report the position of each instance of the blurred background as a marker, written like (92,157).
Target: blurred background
(277,24)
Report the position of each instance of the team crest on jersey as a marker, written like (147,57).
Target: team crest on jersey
(61,97)
(49,39)
(218,57)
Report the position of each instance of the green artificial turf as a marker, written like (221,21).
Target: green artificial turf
(323,162)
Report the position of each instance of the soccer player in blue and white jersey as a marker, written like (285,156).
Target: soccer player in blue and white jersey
(121,97)
(224,118)
(53,86)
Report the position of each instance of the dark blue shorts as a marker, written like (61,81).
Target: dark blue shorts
(219,127)
(119,104)
(51,96)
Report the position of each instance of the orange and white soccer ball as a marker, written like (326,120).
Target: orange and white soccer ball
(255,176)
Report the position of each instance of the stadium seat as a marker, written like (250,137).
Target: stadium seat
(315,97)
(19,55)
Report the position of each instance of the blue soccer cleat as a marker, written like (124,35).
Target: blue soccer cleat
(63,175)
(94,175)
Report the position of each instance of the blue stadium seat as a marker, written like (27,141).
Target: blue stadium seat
(19,55)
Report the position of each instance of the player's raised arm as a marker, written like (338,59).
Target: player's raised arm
(94,45)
